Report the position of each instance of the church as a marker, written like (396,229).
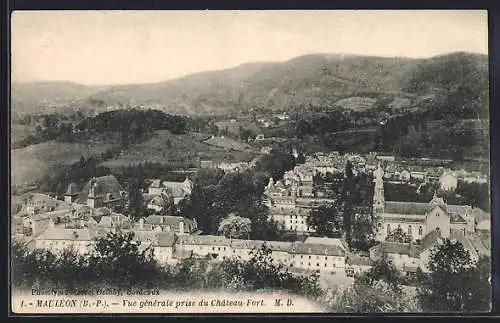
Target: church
(419,219)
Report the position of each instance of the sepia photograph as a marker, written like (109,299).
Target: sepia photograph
(281,161)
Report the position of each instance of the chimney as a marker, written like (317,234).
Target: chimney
(141,223)
(181,226)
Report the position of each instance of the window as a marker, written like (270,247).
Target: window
(224,248)
(309,257)
(326,258)
(301,256)
(409,229)
(213,248)
(379,225)
(420,230)
(317,265)
(325,265)
(309,264)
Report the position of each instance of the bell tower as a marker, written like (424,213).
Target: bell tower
(378,191)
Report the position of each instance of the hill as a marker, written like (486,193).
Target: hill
(36,96)
(309,80)
(31,163)
(177,151)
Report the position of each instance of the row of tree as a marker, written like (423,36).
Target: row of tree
(452,283)
(118,261)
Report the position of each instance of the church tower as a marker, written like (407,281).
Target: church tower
(94,199)
(378,191)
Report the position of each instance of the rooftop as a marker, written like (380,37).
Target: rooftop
(317,249)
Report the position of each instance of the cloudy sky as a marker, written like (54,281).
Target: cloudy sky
(118,47)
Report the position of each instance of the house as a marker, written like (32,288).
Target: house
(356,265)
(475,177)
(35,225)
(259,137)
(167,223)
(327,241)
(388,158)
(401,254)
(207,164)
(243,249)
(164,247)
(104,191)
(317,257)
(213,247)
(59,239)
(290,219)
(177,190)
(448,180)
(158,203)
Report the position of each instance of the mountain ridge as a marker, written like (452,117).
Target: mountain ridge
(313,79)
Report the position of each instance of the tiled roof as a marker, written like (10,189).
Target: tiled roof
(405,219)
(144,235)
(204,240)
(456,218)
(479,245)
(105,184)
(480,215)
(326,241)
(429,240)
(393,248)
(406,208)
(172,221)
(166,239)
(317,249)
(68,234)
(354,260)
(257,244)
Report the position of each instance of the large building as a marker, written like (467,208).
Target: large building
(419,219)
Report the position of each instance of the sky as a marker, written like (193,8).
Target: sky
(124,47)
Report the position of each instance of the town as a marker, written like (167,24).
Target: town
(89,212)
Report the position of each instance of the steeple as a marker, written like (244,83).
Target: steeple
(378,191)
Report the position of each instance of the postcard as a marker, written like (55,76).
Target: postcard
(307,161)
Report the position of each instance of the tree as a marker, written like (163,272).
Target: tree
(454,283)
(399,236)
(382,270)
(362,235)
(118,259)
(324,220)
(235,227)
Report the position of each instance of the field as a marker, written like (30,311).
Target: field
(178,151)
(20,132)
(32,162)
(228,143)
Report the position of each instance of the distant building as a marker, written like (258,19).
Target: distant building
(418,219)
(448,180)
(177,190)
(104,191)
(177,224)
(318,257)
